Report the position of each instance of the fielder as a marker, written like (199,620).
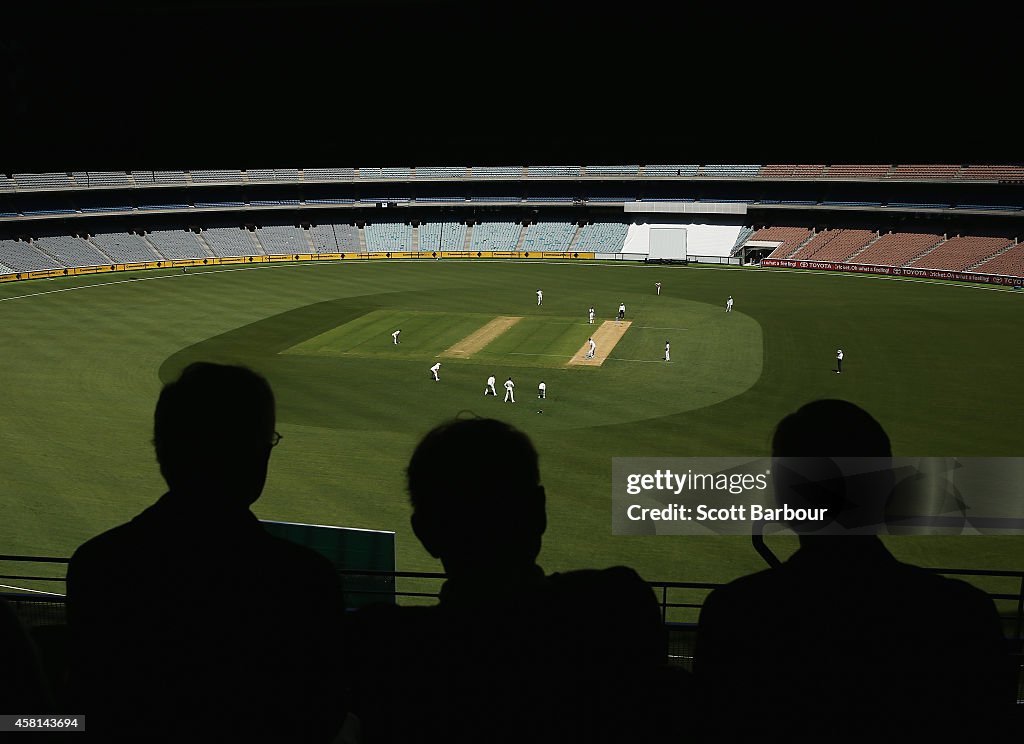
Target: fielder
(434,369)
(728,305)
(657,285)
(542,390)
(540,298)
(489,389)
(394,336)
(590,313)
(839,361)
(667,357)
(591,350)
(509,388)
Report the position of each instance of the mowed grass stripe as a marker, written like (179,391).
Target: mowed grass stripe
(539,342)
(481,337)
(424,335)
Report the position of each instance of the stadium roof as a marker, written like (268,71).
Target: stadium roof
(222,83)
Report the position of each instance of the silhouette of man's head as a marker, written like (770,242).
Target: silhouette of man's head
(213,432)
(477,500)
(833,454)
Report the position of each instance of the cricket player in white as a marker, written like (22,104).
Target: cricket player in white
(509,387)
(667,358)
(542,390)
(592,349)
(590,314)
(622,310)
(434,369)
(540,298)
(394,336)
(728,305)
(658,287)
(839,361)
(489,390)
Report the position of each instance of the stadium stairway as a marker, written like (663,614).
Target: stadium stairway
(1000,252)
(925,252)
(878,236)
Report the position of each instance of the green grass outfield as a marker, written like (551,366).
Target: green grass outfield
(83,359)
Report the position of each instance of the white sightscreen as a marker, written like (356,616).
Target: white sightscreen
(668,242)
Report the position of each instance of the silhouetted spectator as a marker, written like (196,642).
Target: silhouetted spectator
(842,642)
(191,623)
(508,654)
(23,689)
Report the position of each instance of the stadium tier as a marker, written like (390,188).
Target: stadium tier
(178,245)
(1008,262)
(282,239)
(437,236)
(602,237)
(833,245)
(125,248)
(334,238)
(549,236)
(495,236)
(895,249)
(789,238)
(230,241)
(382,237)
(959,253)
(73,251)
(21,256)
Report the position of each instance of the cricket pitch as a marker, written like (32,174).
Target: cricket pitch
(609,334)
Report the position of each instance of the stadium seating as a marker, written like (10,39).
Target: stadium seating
(277,174)
(125,248)
(177,244)
(403,174)
(488,171)
(669,170)
(53,181)
(216,176)
(856,171)
(334,238)
(433,238)
(744,235)
(790,238)
(1009,262)
(329,174)
(230,241)
(384,237)
(72,251)
(939,172)
(611,170)
(731,171)
(834,245)
(441,173)
(21,256)
(93,179)
(553,171)
(279,240)
(143,178)
(991,172)
(956,254)
(495,236)
(602,237)
(548,236)
(895,249)
(791,171)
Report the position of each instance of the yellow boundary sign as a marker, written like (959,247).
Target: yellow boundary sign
(482,336)
(606,337)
